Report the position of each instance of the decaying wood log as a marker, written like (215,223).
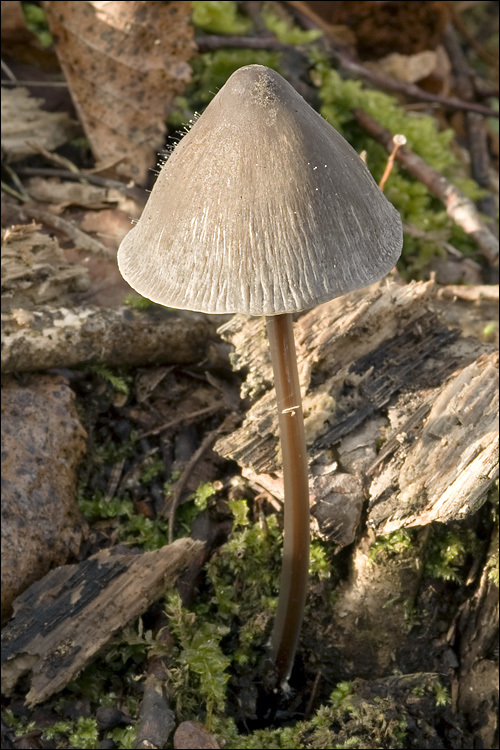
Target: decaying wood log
(62,337)
(377,366)
(62,622)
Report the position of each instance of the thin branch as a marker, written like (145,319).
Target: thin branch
(212,42)
(42,84)
(186,418)
(458,206)
(208,441)
(8,72)
(477,138)
(80,238)
(469,38)
(135,192)
(399,140)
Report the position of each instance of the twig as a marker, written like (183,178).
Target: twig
(477,139)
(17,182)
(477,293)
(399,140)
(314,691)
(253,10)
(80,238)
(134,192)
(187,418)
(469,38)
(170,507)
(56,158)
(213,42)
(8,72)
(458,206)
(344,59)
(14,193)
(45,84)
(208,441)
(407,89)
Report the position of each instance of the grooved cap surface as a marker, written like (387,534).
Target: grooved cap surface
(262,208)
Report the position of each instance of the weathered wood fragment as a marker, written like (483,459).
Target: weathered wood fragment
(62,622)
(374,366)
(65,337)
(444,463)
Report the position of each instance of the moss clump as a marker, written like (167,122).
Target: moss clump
(81,733)
(219,17)
(286,31)
(118,378)
(449,550)
(391,545)
(36,21)
(136,302)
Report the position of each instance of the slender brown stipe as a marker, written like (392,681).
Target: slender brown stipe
(294,573)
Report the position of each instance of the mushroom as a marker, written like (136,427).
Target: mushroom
(263,208)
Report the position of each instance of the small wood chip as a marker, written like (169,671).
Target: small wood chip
(190,734)
(62,622)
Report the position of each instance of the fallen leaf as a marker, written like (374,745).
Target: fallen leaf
(34,269)
(26,127)
(111,225)
(125,62)
(407,68)
(64,194)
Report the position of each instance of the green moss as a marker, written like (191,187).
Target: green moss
(286,31)
(153,467)
(117,377)
(390,545)
(81,733)
(219,17)
(124,737)
(447,551)
(196,664)
(319,565)
(18,724)
(442,694)
(36,21)
(136,302)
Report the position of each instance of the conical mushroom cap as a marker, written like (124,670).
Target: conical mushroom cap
(262,208)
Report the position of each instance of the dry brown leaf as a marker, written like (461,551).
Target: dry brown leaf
(64,194)
(124,62)
(26,127)
(407,68)
(34,269)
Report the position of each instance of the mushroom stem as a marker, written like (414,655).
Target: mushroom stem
(294,574)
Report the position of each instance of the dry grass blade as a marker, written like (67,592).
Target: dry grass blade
(124,63)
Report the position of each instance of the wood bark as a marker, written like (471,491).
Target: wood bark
(64,620)
(52,337)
